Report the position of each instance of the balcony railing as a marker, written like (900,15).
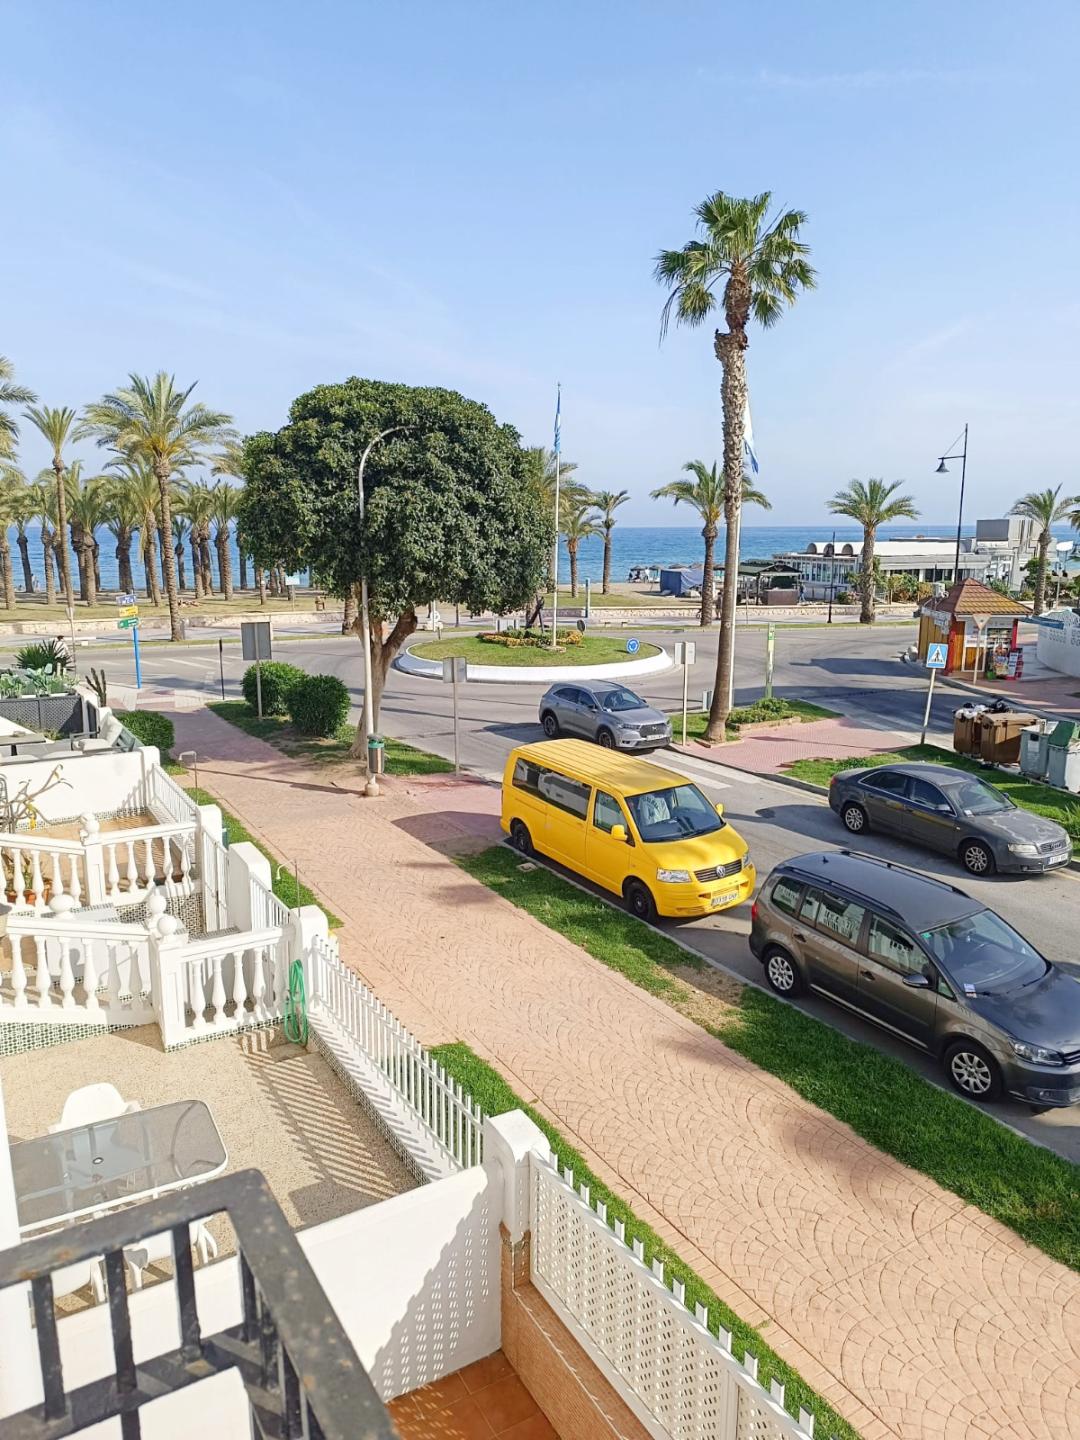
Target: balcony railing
(301,1375)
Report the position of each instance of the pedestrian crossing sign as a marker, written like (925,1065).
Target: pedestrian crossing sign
(936,656)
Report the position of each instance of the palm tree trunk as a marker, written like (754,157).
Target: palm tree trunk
(123,560)
(150,574)
(606,583)
(181,573)
(571,550)
(89,571)
(80,555)
(95,556)
(708,576)
(224,562)
(61,527)
(58,557)
(1040,572)
(5,566)
(196,568)
(731,352)
(208,569)
(168,554)
(24,555)
(866,579)
(50,576)
(243,563)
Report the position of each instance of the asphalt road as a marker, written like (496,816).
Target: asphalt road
(852,671)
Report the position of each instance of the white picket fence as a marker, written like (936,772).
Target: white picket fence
(395,1071)
(160,794)
(679,1379)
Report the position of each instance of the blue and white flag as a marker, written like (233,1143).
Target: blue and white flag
(558,407)
(748,436)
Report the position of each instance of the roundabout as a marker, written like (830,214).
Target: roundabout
(592,658)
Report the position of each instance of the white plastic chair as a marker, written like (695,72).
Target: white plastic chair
(91,1103)
(159,1247)
(74,1277)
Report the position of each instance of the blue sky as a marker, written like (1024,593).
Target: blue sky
(265,196)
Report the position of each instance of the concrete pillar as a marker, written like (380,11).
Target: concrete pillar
(20,1374)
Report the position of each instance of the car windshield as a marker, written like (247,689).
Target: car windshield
(673,814)
(984,956)
(975,797)
(621,699)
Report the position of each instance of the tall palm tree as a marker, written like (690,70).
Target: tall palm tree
(230,464)
(56,423)
(88,507)
(181,530)
(607,502)
(578,524)
(706,493)
(195,502)
(12,486)
(1046,508)
(139,481)
(870,504)
(540,470)
(223,513)
(150,420)
(25,509)
(123,516)
(45,510)
(10,394)
(759,264)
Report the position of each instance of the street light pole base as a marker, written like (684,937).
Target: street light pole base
(371,789)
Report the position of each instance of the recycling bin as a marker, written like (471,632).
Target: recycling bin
(1035,751)
(376,755)
(963,732)
(999,736)
(1063,755)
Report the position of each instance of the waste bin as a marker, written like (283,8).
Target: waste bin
(376,755)
(1063,755)
(1034,750)
(963,730)
(999,736)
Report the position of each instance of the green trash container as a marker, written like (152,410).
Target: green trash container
(376,755)
(1063,755)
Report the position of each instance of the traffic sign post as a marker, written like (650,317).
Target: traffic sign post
(256,644)
(937,656)
(685,652)
(128,619)
(633,646)
(453,671)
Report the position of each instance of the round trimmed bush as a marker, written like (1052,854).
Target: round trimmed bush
(278,680)
(318,705)
(149,728)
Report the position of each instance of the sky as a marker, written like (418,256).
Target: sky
(262,196)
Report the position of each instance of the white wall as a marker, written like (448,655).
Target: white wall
(1060,649)
(97,781)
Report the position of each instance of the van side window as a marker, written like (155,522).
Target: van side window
(842,918)
(892,947)
(606,812)
(569,795)
(785,895)
(811,903)
(527,776)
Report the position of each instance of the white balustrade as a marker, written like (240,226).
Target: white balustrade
(218,985)
(36,869)
(81,969)
(162,796)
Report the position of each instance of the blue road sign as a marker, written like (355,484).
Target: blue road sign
(632,646)
(936,656)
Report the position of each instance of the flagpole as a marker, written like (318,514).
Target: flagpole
(555,592)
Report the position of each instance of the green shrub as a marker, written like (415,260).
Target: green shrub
(277,680)
(42,655)
(318,705)
(149,727)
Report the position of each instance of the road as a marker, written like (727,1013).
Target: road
(849,670)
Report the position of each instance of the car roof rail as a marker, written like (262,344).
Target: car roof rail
(907,870)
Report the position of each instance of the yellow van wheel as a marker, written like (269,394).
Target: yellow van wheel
(520,837)
(639,901)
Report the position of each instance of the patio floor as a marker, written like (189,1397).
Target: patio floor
(485,1399)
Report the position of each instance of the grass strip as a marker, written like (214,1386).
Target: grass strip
(1028,794)
(761,712)
(401,759)
(495,1097)
(965,1149)
(593,649)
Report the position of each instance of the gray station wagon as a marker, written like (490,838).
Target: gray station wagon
(604,711)
(949,810)
(927,963)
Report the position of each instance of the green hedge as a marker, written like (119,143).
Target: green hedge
(151,727)
(277,681)
(318,705)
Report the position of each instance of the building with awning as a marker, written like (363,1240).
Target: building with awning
(977,624)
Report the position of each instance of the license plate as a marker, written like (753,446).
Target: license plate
(1059,859)
(717,900)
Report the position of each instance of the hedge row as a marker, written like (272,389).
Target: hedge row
(316,704)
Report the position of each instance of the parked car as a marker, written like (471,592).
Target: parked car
(927,963)
(950,810)
(636,829)
(604,711)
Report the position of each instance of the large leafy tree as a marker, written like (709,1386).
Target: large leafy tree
(752,265)
(450,514)
(10,394)
(871,503)
(57,424)
(1047,508)
(705,492)
(151,422)
(607,502)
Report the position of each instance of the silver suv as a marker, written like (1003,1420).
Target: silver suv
(604,711)
(927,963)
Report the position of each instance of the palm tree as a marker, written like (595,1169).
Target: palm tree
(540,470)
(55,424)
(761,264)
(607,502)
(870,504)
(1046,508)
(25,509)
(12,485)
(45,509)
(10,394)
(180,529)
(123,517)
(195,502)
(579,523)
(138,479)
(150,420)
(223,513)
(88,507)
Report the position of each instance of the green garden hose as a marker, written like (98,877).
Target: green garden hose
(295,1022)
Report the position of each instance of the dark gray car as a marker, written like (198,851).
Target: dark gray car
(927,963)
(604,711)
(949,810)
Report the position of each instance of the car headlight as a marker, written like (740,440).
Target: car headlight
(1023,849)
(627,729)
(1038,1053)
(674,877)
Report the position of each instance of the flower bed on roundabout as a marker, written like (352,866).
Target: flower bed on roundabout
(583,656)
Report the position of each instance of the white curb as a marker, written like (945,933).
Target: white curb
(412,664)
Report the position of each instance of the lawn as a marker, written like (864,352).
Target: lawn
(1029,794)
(593,650)
(245,602)
(963,1148)
(401,759)
(761,712)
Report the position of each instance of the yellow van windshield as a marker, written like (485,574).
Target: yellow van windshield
(674,813)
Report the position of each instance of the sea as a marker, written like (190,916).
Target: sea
(631,545)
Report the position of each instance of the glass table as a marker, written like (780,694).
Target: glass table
(114,1162)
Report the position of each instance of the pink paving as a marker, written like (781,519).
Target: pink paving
(917,1316)
(767,752)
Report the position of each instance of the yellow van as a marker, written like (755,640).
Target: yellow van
(637,829)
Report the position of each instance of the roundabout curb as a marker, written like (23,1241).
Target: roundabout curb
(410,664)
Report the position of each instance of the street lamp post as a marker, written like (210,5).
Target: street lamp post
(943,469)
(372,786)
(832,575)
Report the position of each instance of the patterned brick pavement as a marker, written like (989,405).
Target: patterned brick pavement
(916,1315)
(767,751)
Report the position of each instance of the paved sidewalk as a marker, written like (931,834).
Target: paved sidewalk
(916,1315)
(768,751)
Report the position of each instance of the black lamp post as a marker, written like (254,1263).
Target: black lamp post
(943,469)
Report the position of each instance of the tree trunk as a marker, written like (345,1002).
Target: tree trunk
(123,561)
(95,555)
(59,561)
(571,550)
(605,586)
(50,574)
(24,555)
(731,352)
(88,571)
(168,554)
(383,653)
(8,577)
(243,565)
(261,574)
(204,561)
(80,555)
(196,567)
(348,620)
(866,579)
(181,573)
(150,572)
(61,529)
(708,576)
(1039,603)
(224,562)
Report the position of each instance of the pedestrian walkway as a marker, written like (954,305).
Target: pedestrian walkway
(916,1315)
(769,751)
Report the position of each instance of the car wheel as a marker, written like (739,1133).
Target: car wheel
(973,1071)
(550,724)
(977,858)
(520,837)
(639,901)
(605,738)
(782,973)
(854,818)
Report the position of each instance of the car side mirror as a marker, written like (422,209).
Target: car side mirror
(917,982)
(719,807)
(618,832)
